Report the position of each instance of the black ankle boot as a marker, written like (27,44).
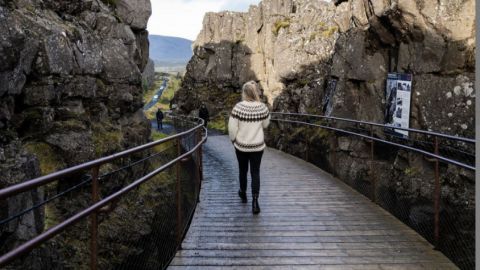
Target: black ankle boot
(255,206)
(243,196)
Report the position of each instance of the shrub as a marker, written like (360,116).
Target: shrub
(279,25)
(329,31)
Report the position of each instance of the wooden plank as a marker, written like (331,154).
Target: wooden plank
(309,220)
(304,233)
(405,266)
(302,239)
(296,246)
(286,228)
(301,260)
(413,252)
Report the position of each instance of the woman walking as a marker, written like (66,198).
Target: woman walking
(245,128)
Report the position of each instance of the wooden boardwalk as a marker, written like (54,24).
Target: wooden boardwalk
(309,220)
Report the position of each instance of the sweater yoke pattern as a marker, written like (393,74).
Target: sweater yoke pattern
(246,124)
(250,113)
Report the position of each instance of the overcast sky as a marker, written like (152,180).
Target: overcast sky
(183,18)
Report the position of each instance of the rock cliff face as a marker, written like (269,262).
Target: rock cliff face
(148,75)
(295,47)
(70,91)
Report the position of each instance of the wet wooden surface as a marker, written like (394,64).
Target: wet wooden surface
(309,220)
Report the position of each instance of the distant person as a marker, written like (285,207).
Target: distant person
(159,119)
(245,128)
(203,114)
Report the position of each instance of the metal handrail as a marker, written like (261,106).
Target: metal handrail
(441,135)
(40,181)
(94,208)
(436,155)
(460,164)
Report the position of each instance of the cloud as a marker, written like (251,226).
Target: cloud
(239,5)
(183,18)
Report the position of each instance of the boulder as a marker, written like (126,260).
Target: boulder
(117,63)
(57,56)
(380,7)
(359,13)
(134,12)
(88,55)
(75,146)
(343,16)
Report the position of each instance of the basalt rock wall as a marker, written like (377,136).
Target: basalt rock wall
(70,91)
(295,48)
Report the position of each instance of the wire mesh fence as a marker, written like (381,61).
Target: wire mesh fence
(142,202)
(398,173)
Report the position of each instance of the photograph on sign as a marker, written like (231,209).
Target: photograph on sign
(398,98)
(329,93)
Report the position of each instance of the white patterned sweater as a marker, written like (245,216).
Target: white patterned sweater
(246,124)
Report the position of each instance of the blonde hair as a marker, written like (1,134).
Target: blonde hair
(250,91)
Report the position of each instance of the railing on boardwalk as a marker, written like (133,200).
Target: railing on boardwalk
(435,147)
(187,148)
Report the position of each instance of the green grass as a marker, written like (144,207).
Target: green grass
(218,123)
(157,135)
(149,93)
(167,95)
(106,141)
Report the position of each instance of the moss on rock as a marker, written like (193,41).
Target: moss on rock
(106,141)
(49,160)
(279,25)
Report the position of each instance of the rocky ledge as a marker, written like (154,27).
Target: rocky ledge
(70,91)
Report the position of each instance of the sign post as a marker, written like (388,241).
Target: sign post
(398,95)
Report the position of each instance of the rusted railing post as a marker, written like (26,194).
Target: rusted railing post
(200,152)
(178,198)
(437,194)
(372,171)
(306,150)
(94,221)
(199,164)
(335,147)
(306,142)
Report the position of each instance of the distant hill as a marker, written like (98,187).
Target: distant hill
(170,51)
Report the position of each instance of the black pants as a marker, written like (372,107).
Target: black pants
(254,158)
(159,124)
